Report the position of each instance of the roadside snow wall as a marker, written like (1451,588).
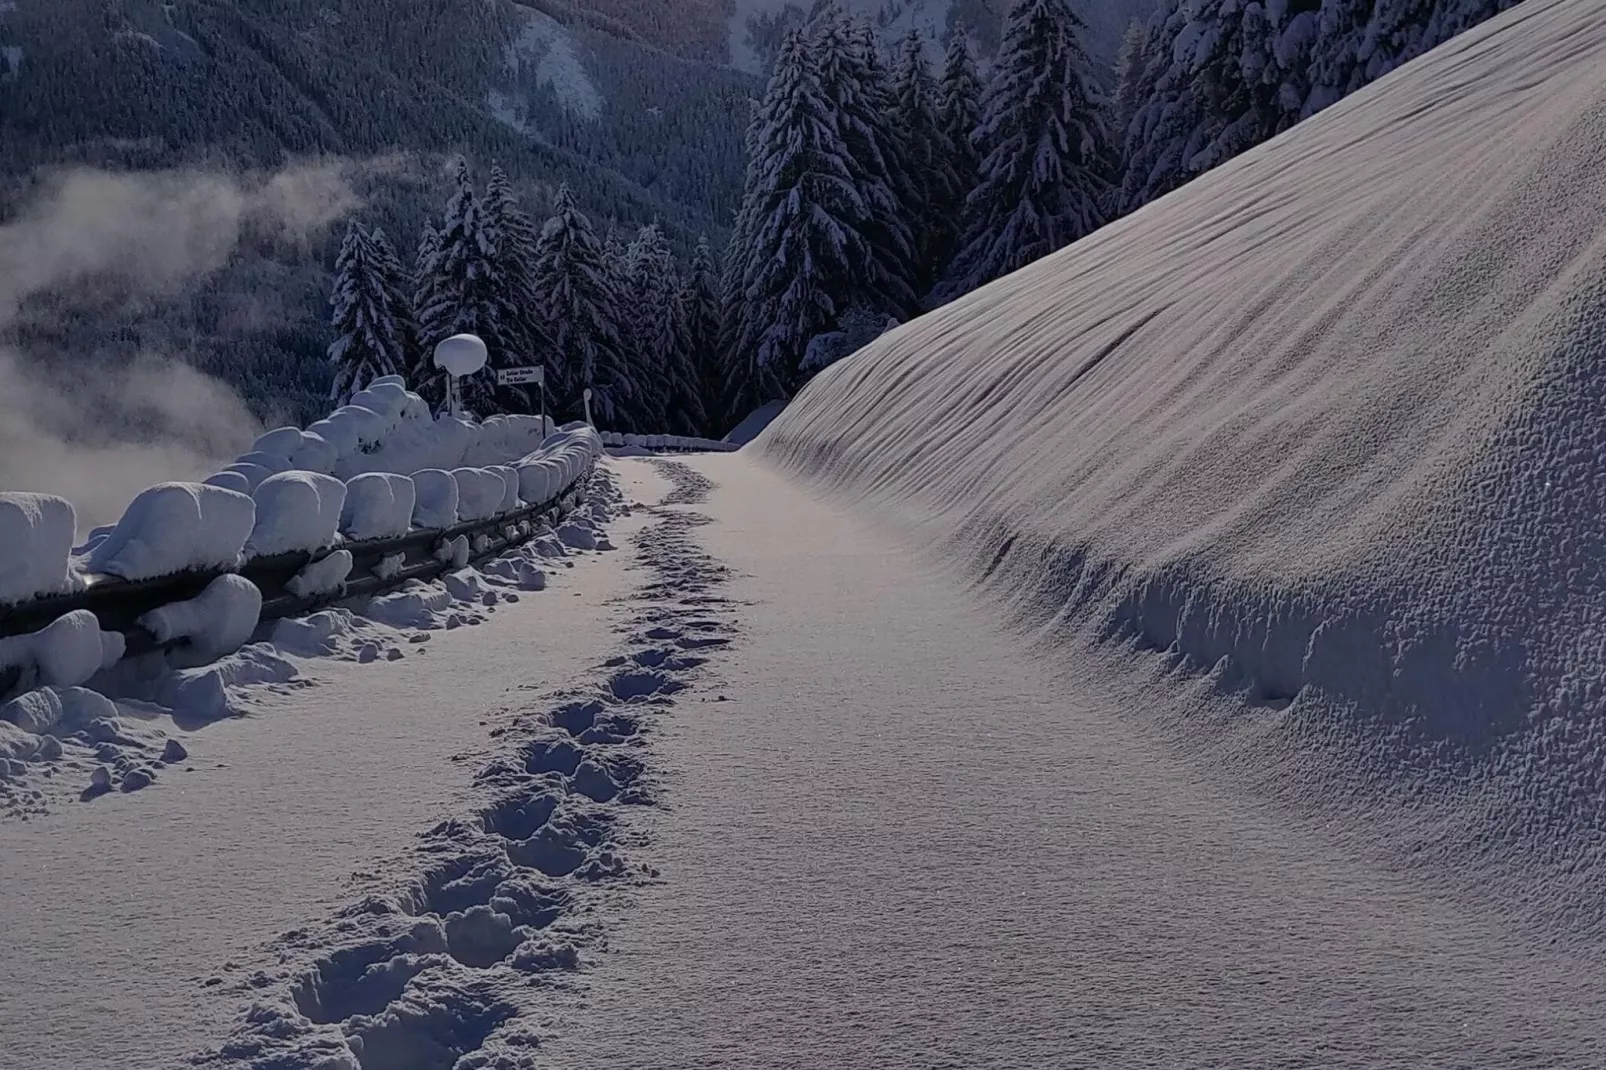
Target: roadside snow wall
(1326,428)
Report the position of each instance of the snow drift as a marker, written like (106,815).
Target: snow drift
(1323,427)
(172,527)
(36,531)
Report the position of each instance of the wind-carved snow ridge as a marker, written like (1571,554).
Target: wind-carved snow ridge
(447,962)
(1313,449)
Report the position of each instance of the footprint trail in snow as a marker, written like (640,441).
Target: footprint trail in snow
(448,968)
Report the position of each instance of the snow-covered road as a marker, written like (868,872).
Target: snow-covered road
(877,834)
(901,843)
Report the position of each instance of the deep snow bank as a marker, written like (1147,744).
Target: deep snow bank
(1327,425)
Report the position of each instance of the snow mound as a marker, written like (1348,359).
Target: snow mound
(64,653)
(436,504)
(327,575)
(479,493)
(172,527)
(1323,427)
(378,505)
(755,423)
(296,511)
(232,479)
(37,532)
(413,606)
(216,622)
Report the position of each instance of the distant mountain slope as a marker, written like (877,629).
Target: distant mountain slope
(551,93)
(142,83)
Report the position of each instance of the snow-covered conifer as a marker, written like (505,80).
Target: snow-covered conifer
(422,375)
(1128,79)
(930,181)
(807,253)
(701,339)
(958,115)
(399,283)
(575,296)
(1046,149)
(462,292)
(367,341)
(858,88)
(513,238)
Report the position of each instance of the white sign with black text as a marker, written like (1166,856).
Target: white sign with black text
(520,376)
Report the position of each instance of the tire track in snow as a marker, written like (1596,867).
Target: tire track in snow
(448,971)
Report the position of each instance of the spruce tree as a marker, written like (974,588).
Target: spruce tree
(463,290)
(858,89)
(368,342)
(1046,150)
(1218,78)
(807,255)
(399,285)
(735,332)
(513,238)
(930,180)
(701,339)
(958,116)
(1128,79)
(422,375)
(579,308)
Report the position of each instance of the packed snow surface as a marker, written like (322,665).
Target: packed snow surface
(1323,430)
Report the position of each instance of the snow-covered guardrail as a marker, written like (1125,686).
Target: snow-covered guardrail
(613,440)
(304,519)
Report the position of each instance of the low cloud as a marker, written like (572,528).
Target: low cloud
(99,430)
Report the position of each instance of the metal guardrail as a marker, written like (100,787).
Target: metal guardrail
(118,604)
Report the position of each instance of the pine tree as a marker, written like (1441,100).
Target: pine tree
(422,375)
(513,237)
(579,309)
(931,182)
(1128,79)
(858,89)
(958,116)
(1047,156)
(742,389)
(701,339)
(1218,78)
(368,343)
(807,254)
(399,285)
(657,335)
(463,290)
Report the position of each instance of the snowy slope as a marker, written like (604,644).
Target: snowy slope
(904,841)
(1316,440)
(545,55)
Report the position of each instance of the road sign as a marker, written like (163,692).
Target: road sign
(520,376)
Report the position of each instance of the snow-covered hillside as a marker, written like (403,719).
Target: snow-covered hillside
(1315,444)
